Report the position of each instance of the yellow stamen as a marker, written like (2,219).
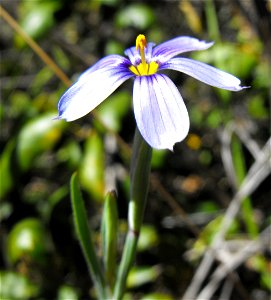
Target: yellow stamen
(141,43)
(143,68)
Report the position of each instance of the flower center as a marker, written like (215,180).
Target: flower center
(143,68)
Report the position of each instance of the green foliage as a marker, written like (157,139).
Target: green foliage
(91,170)
(158,158)
(157,296)
(16,286)
(28,240)
(214,118)
(37,136)
(44,75)
(260,264)
(110,2)
(66,292)
(138,15)
(257,108)
(206,237)
(112,111)
(142,275)
(148,238)
(113,47)
(36,18)
(233,58)
(70,154)
(208,207)
(6,182)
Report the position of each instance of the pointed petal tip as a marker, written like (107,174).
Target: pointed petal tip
(171,148)
(56,118)
(205,73)
(162,147)
(59,118)
(239,88)
(209,44)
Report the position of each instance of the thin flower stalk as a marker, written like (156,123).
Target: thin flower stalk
(140,171)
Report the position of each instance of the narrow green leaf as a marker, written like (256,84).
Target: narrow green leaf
(212,22)
(109,237)
(6,181)
(36,137)
(240,170)
(84,237)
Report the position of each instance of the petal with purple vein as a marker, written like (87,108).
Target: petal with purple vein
(163,52)
(204,73)
(160,112)
(89,91)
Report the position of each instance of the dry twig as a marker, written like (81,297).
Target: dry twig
(256,174)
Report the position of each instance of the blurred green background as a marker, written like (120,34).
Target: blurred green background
(40,257)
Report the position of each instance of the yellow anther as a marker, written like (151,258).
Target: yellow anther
(141,42)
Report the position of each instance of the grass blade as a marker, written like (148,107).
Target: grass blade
(84,236)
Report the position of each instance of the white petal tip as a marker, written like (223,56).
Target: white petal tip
(209,44)
(239,88)
(59,118)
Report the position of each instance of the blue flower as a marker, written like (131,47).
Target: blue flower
(160,112)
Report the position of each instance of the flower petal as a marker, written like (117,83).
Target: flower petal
(90,90)
(176,46)
(160,112)
(204,73)
(108,61)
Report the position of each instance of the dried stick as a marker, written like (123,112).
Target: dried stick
(39,51)
(257,173)
(251,248)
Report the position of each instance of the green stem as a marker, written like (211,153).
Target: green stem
(140,170)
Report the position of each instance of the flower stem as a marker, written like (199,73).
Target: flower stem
(140,170)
